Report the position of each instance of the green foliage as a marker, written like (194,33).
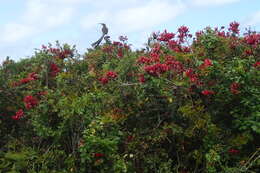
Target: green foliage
(172,107)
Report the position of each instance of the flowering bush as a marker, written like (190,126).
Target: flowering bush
(180,105)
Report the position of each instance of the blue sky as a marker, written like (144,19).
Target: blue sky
(27,24)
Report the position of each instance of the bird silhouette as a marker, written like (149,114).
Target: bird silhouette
(104,32)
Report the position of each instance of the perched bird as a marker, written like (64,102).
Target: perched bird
(104,29)
(104,32)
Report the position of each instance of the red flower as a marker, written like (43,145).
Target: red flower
(199,33)
(186,49)
(141,78)
(257,64)
(103,80)
(189,72)
(54,70)
(252,39)
(99,155)
(30,101)
(18,114)
(117,43)
(165,36)
(233,151)
(120,52)
(193,77)
(234,88)
(207,63)
(59,53)
(129,138)
(156,69)
(111,75)
(234,27)
(248,52)
(174,45)
(25,80)
(32,76)
(183,32)
(175,65)
(207,92)
(143,60)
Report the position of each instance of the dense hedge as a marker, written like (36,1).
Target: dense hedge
(182,104)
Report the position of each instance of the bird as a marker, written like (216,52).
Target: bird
(104,32)
(104,28)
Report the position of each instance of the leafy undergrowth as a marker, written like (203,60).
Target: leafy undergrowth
(182,104)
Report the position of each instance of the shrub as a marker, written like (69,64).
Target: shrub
(176,106)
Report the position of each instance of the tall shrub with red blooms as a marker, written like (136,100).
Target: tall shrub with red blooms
(183,104)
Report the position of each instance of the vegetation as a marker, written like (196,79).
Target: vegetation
(183,104)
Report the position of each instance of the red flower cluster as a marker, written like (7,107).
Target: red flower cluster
(207,63)
(117,43)
(156,69)
(257,64)
(120,52)
(166,36)
(248,52)
(18,114)
(58,53)
(99,155)
(252,39)
(207,92)
(129,138)
(199,33)
(103,80)
(141,78)
(234,88)
(30,77)
(186,49)
(173,45)
(233,151)
(233,27)
(183,32)
(144,60)
(54,69)
(175,65)
(30,101)
(193,77)
(109,76)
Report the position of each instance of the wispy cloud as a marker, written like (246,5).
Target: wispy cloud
(38,17)
(149,15)
(137,17)
(12,32)
(212,2)
(253,20)
(91,20)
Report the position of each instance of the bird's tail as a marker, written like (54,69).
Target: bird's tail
(96,44)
